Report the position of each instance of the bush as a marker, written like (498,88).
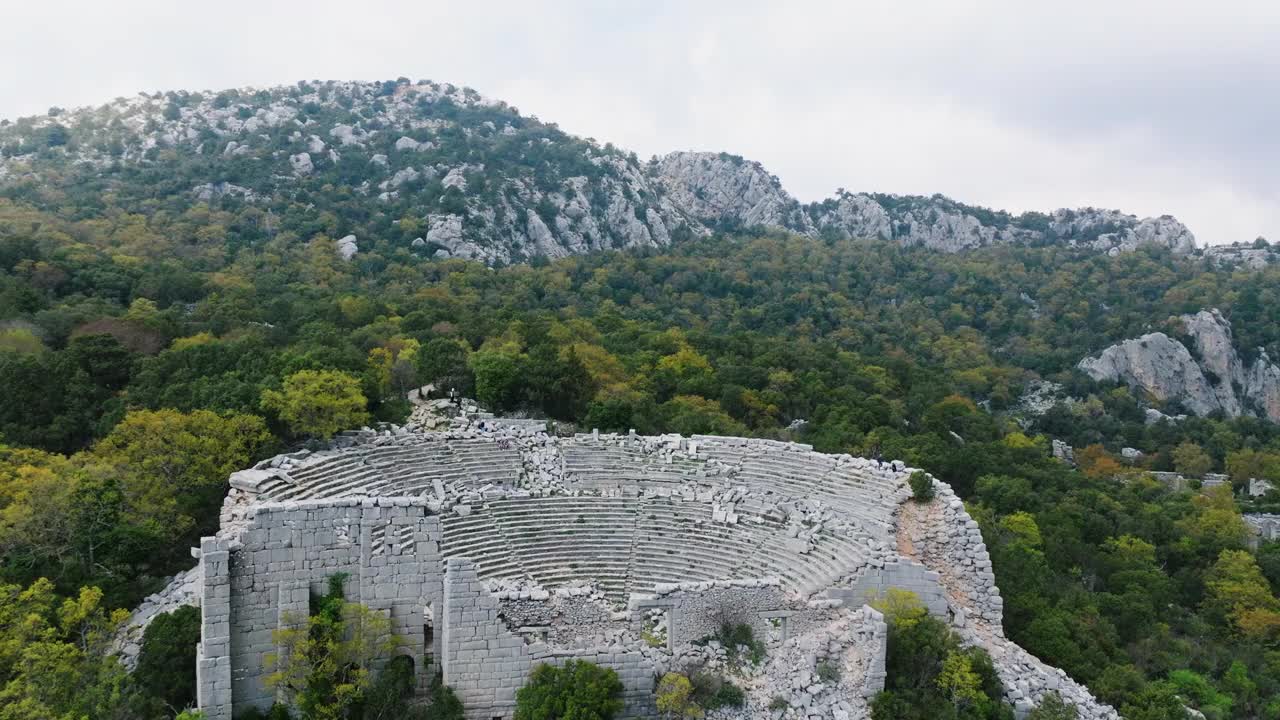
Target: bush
(167,662)
(921,486)
(445,705)
(711,691)
(675,697)
(729,695)
(930,674)
(1053,707)
(276,712)
(734,636)
(580,690)
(828,672)
(391,690)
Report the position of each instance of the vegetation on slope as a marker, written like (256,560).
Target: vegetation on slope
(125,333)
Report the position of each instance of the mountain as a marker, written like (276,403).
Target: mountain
(446,172)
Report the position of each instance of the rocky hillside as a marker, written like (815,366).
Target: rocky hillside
(723,190)
(1202,369)
(441,171)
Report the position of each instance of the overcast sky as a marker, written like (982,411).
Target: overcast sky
(1150,107)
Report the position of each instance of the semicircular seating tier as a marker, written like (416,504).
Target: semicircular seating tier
(626,513)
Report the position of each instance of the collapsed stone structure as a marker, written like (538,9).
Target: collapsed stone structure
(493,547)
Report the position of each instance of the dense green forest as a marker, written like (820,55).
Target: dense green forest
(146,352)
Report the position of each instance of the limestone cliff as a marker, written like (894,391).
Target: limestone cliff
(1204,372)
(720,190)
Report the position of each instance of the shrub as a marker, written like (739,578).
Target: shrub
(445,705)
(276,712)
(930,674)
(711,691)
(579,689)
(734,636)
(921,486)
(1053,707)
(729,695)
(675,697)
(828,672)
(167,662)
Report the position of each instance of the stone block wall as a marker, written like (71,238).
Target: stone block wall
(1265,528)
(696,614)
(873,621)
(634,670)
(485,663)
(902,575)
(262,579)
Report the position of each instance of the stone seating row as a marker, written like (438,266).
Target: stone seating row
(631,544)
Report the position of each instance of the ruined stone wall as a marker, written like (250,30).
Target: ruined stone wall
(485,662)
(262,578)
(1265,528)
(941,536)
(696,614)
(878,630)
(875,583)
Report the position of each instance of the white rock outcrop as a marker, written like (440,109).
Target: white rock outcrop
(302,164)
(348,247)
(719,187)
(1213,379)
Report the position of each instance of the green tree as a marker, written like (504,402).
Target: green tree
(1191,459)
(325,661)
(175,465)
(318,403)
(167,661)
(1238,591)
(55,656)
(958,681)
(579,690)
(497,377)
(921,486)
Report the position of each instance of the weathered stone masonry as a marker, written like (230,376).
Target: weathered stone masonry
(494,550)
(263,578)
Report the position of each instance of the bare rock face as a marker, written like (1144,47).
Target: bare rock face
(1211,337)
(348,247)
(722,189)
(1159,365)
(302,164)
(717,187)
(1213,379)
(1253,256)
(858,216)
(1112,230)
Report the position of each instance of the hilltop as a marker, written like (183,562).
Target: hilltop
(443,171)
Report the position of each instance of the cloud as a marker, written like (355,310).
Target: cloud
(1148,107)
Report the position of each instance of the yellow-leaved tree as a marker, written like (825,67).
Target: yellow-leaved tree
(318,403)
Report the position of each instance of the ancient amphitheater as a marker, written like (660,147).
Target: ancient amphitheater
(494,546)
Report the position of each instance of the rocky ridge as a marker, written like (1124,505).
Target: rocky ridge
(721,189)
(1203,371)
(460,175)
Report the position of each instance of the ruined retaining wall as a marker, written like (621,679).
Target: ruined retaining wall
(875,583)
(485,663)
(262,579)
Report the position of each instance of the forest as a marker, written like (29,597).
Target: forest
(147,352)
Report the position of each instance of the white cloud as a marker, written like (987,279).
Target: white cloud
(1147,107)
